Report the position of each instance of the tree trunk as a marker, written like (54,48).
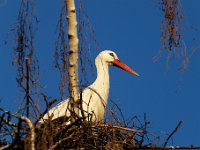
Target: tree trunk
(73,56)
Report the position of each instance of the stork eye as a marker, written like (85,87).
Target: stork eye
(111,54)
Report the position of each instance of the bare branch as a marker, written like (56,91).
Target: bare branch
(172,133)
(27,87)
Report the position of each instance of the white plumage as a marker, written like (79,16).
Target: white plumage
(95,96)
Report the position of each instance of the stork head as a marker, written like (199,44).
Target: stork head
(111,59)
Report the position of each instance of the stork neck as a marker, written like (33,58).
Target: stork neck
(102,84)
(102,72)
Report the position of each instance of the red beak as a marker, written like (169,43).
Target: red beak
(123,66)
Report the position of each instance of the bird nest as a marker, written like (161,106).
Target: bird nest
(114,133)
(86,135)
(80,134)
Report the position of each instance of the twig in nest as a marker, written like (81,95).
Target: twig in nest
(118,127)
(81,103)
(60,141)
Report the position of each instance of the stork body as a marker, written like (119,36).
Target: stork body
(95,96)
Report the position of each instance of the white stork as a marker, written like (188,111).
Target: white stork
(95,96)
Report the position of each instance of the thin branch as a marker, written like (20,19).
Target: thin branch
(27,87)
(7,121)
(172,133)
(120,111)
(16,137)
(144,130)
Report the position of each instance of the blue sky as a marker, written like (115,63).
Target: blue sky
(132,29)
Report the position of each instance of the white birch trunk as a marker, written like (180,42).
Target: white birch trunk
(73,54)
